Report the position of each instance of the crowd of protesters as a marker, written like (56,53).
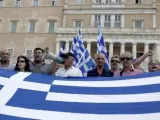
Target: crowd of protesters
(130,67)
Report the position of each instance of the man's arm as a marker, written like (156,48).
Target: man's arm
(138,61)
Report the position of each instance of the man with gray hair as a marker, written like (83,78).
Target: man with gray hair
(99,71)
(5,60)
(126,59)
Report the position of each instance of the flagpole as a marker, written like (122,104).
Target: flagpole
(81,57)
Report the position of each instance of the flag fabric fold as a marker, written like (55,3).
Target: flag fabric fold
(85,63)
(101,46)
(37,96)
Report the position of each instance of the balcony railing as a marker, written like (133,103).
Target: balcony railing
(109,30)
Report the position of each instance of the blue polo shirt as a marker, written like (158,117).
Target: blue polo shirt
(94,73)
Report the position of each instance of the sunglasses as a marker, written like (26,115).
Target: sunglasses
(21,61)
(125,58)
(100,58)
(115,61)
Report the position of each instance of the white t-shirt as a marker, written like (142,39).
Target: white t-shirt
(71,72)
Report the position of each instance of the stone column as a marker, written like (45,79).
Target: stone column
(146,49)
(57,47)
(122,21)
(112,20)
(134,50)
(123,1)
(64,21)
(154,20)
(102,20)
(122,47)
(92,20)
(89,46)
(110,50)
(158,51)
(67,46)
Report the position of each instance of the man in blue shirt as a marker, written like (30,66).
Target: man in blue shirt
(99,71)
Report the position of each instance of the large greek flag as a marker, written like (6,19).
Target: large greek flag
(101,46)
(78,47)
(36,96)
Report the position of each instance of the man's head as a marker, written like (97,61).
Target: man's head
(100,59)
(68,59)
(38,52)
(154,66)
(115,63)
(126,59)
(5,55)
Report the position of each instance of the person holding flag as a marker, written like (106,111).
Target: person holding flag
(82,59)
(101,58)
(101,46)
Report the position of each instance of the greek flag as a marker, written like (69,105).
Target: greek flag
(61,50)
(28,96)
(77,47)
(85,63)
(101,46)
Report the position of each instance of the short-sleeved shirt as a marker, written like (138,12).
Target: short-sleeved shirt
(44,68)
(71,72)
(132,72)
(9,67)
(94,73)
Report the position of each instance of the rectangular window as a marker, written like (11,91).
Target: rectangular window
(35,2)
(108,1)
(1,3)
(117,21)
(13,26)
(138,1)
(32,26)
(138,24)
(53,2)
(98,1)
(78,24)
(97,19)
(139,54)
(17,3)
(51,26)
(79,2)
(118,2)
(107,22)
(28,53)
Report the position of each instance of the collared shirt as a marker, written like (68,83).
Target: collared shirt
(132,72)
(71,72)
(9,67)
(44,68)
(94,73)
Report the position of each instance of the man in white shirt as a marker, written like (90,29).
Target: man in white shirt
(69,70)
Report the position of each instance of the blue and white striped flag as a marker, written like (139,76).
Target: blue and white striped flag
(27,96)
(78,47)
(101,46)
(61,50)
(85,63)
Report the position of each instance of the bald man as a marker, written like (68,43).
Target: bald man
(5,60)
(99,71)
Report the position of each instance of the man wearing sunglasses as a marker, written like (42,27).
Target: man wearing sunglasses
(127,62)
(115,63)
(99,71)
(69,70)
